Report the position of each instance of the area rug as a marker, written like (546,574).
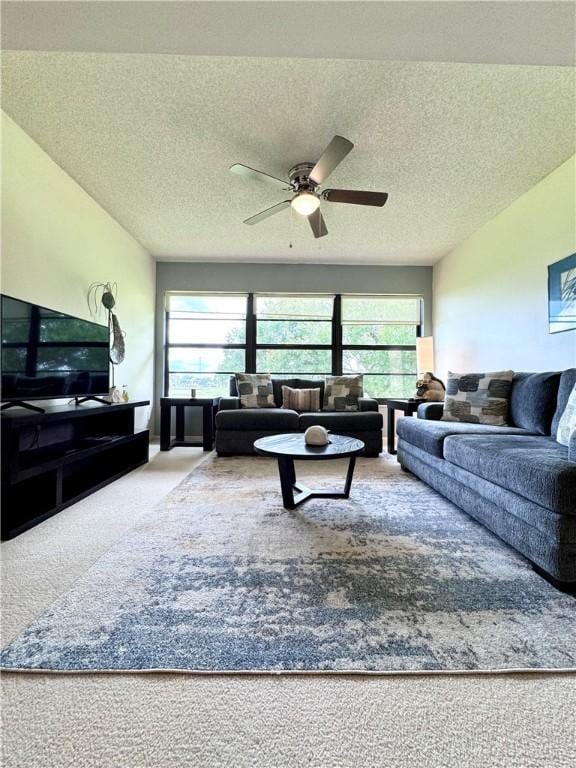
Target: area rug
(221,578)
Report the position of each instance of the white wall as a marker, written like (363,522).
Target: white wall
(491,292)
(57,240)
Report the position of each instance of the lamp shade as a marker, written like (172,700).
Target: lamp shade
(425,354)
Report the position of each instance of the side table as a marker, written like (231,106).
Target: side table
(408,408)
(209,407)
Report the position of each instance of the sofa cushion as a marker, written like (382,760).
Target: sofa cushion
(567,423)
(430,435)
(255,390)
(534,467)
(533,401)
(342,393)
(478,398)
(336,421)
(279,419)
(567,381)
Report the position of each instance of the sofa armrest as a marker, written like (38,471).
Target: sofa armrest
(572,447)
(430,411)
(367,404)
(229,403)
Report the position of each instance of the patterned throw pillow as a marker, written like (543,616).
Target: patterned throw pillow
(255,390)
(301,399)
(567,423)
(343,392)
(478,398)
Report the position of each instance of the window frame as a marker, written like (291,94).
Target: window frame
(198,345)
(287,346)
(251,345)
(383,347)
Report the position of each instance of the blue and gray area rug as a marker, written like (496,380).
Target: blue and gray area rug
(222,578)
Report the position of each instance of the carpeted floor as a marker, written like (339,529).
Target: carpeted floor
(221,578)
(124,721)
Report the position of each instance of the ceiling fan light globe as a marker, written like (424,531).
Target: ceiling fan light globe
(305,203)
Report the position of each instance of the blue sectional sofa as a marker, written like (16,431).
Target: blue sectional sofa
(516,480)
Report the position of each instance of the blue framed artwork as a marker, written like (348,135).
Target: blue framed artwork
(562,295)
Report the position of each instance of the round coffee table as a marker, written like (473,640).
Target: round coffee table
(286,448)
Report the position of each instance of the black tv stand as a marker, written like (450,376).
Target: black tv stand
(51,460)
(22,404)
(80,400)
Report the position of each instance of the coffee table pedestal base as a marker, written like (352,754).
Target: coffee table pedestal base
(289,484)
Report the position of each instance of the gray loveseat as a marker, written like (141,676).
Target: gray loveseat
(237,428)
(517,480)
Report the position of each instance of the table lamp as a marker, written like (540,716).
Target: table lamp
(424,355)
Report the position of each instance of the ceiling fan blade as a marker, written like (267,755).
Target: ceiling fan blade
(332,156)
(354,196)
(268,212)
(318,224)
(252,173)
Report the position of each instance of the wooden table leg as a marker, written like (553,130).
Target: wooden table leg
(391,429)
(349,476)
(165,419)
(287,480)
(207,427)
(180,423)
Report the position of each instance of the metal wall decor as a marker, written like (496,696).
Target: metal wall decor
(103,295)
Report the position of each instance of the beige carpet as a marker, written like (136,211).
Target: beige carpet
(123,721)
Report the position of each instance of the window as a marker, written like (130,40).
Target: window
(205,343)
(379,340)
(210,337)
(294,335)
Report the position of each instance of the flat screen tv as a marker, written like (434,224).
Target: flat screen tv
(47,354)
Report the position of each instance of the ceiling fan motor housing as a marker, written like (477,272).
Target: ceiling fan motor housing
(299,177)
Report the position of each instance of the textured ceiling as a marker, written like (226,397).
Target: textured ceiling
(151,138)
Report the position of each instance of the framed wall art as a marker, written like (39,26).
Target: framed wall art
(562,295)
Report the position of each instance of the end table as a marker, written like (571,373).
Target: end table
(209,407)
(408,408)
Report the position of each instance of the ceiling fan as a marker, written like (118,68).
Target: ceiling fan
(305,180)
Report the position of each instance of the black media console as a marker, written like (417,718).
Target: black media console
(53,459)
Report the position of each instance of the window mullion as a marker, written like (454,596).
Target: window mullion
(250,335)
(337,336)
(200,345)
(302,347)
(381,347)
